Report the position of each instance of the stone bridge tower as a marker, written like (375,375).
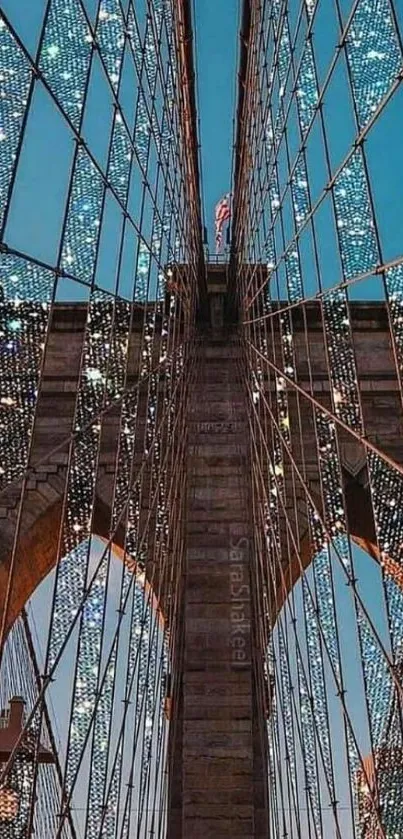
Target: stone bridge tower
(217,745)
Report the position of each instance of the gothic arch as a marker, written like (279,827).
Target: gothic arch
(361,530)
(36,556)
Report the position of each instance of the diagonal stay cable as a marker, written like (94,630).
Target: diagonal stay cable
(108,543)
(330,538)
(334,674)
(340,692)
(98,416)
(321,295)
(328,413)
(117,631)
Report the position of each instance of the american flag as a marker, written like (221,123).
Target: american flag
(222,214)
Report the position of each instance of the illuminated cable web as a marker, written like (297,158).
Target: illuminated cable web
(98,127)
(310,235)
(106,78)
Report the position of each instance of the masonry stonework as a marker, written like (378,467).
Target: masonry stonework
(219,773)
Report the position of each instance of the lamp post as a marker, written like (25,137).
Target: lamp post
(16,789)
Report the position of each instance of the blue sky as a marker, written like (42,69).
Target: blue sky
(39,196)
(216,36)
(36,211)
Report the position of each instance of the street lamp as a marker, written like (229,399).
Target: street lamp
(12,789)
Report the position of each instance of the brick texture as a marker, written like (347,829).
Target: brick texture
(219,774)
(215,770)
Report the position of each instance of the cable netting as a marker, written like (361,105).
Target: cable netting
(315,267)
